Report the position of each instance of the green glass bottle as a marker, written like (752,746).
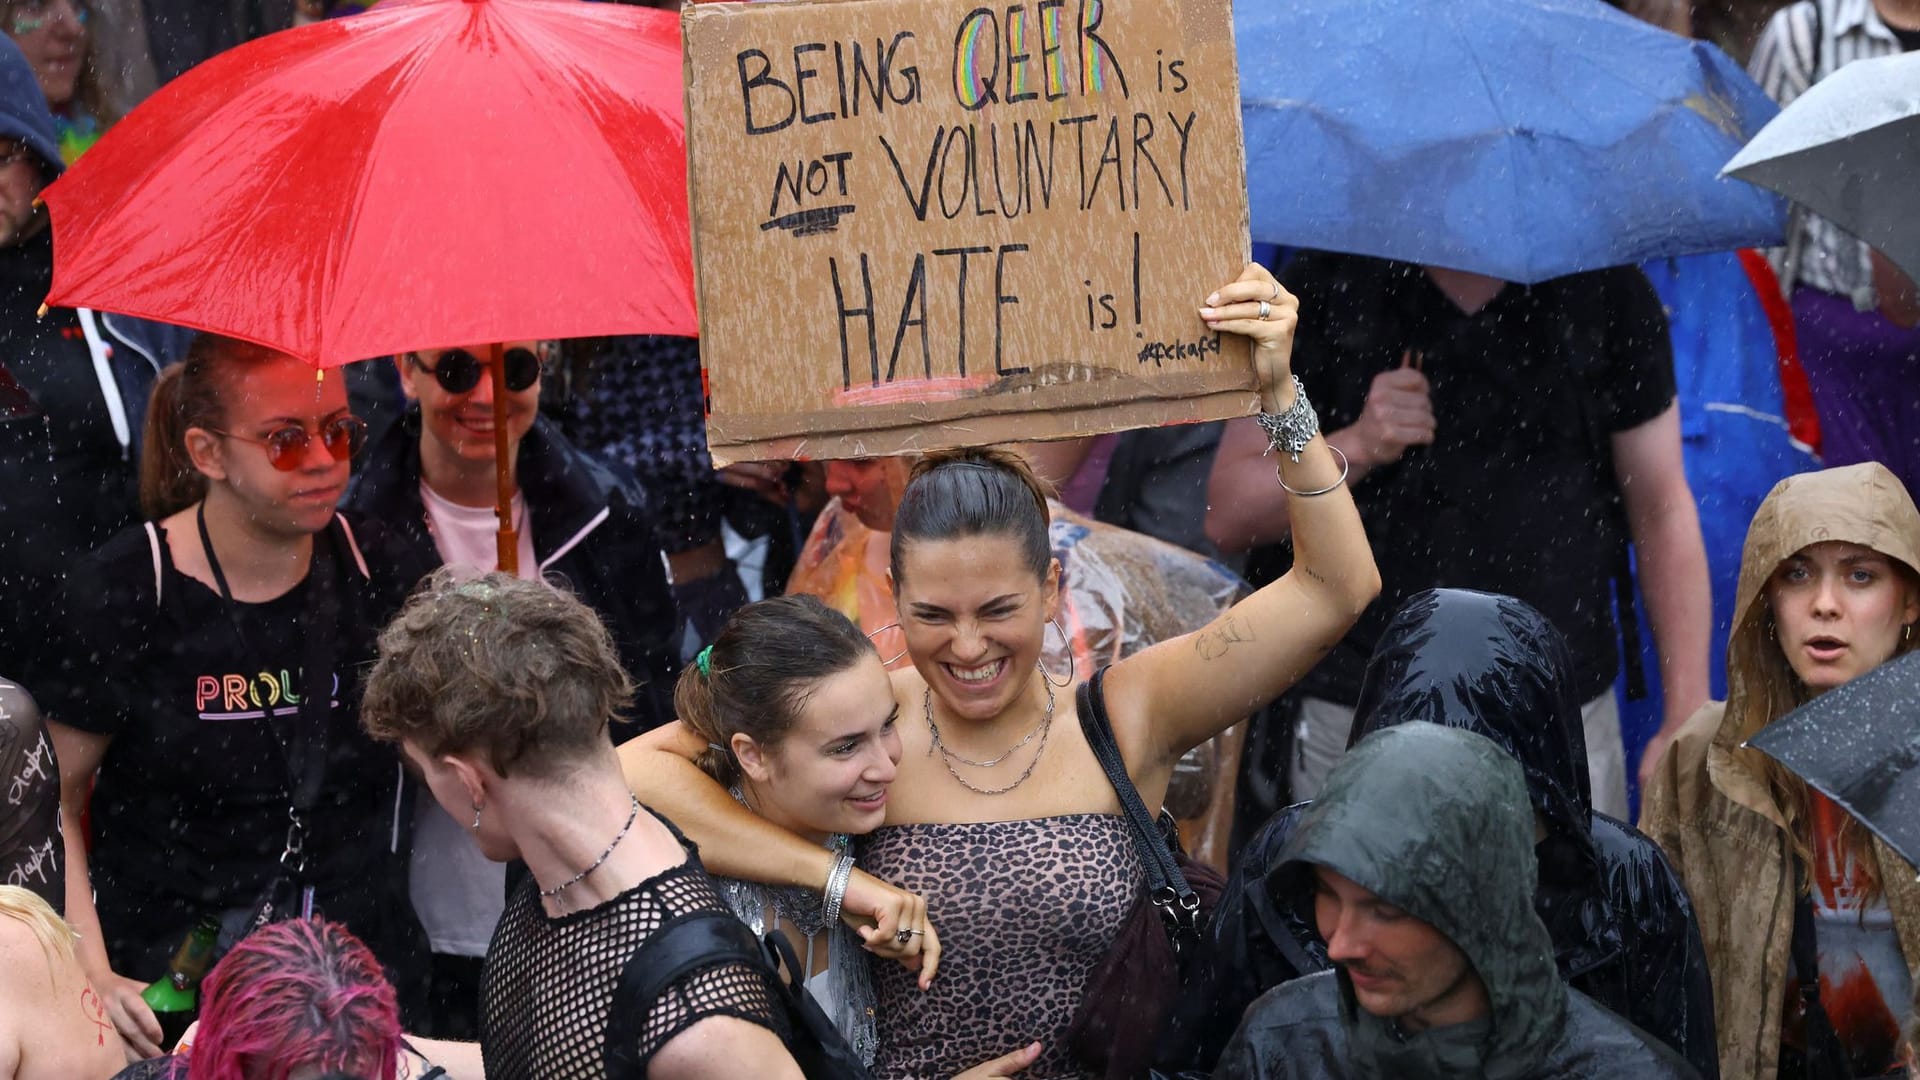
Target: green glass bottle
(175,996)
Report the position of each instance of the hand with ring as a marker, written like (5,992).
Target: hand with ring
(1259,307)
(892,924)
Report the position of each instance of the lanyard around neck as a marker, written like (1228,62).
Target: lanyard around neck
(306,760)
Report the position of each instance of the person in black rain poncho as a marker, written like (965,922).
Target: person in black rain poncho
(1417,866)
(1622,926)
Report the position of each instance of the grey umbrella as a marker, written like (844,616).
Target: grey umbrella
(1849,150)
(1860,745)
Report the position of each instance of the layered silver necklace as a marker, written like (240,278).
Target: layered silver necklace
(949,758)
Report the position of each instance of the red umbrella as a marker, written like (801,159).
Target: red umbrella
(432,173)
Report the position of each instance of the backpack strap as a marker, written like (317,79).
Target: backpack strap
(153,544)
(682,945)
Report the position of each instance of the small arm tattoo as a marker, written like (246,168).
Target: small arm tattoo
(1215,642)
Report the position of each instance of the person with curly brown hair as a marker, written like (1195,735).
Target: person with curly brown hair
(501,692)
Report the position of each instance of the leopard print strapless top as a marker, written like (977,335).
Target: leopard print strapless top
(1026,910)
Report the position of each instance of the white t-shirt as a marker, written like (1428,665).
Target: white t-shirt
(467,535)
(457,892)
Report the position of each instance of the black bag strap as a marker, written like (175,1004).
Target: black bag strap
(1825,1058)
(1167,887)
(682,945)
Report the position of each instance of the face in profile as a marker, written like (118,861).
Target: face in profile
(975,618)
(1401,968)
(869,488)
(1839,611)
(831,772)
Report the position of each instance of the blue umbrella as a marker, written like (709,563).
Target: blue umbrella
(1522,139)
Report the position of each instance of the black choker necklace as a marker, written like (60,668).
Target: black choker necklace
(548,894)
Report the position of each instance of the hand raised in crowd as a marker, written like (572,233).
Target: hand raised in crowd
(1256,306)
(879,913)
(1004,1065)
(767,479)
(131,1015)
(780,482)
(1398,414)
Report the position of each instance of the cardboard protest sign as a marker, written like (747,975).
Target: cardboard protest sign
(929,223)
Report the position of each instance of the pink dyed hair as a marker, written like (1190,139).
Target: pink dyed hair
(294,995)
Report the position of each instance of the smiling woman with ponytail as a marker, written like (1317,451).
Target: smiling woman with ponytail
(790,711)
(204,671)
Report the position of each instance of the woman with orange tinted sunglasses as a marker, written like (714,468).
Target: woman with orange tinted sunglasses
(202,664)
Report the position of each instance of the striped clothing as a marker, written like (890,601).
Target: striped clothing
(1802,44)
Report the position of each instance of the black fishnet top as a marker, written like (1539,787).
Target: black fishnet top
(550,981)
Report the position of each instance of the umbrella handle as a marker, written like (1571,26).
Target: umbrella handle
(508,540)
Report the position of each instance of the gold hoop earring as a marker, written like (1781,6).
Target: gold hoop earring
(896,656)
(1073,665)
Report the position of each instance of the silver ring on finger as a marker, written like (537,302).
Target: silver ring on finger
(1266,310)
(1276,291)
(903,936)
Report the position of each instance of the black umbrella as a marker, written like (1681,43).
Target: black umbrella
(1859,744)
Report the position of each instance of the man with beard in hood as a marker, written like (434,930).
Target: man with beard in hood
(1419,861)
(1622,927)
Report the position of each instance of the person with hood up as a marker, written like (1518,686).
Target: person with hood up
(432,477)
(1783,880)
(1622,927)
(73,386)
(1418,862)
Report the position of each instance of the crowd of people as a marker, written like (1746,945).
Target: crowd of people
(1302,745)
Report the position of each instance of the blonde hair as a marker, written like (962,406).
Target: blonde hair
(55,936)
